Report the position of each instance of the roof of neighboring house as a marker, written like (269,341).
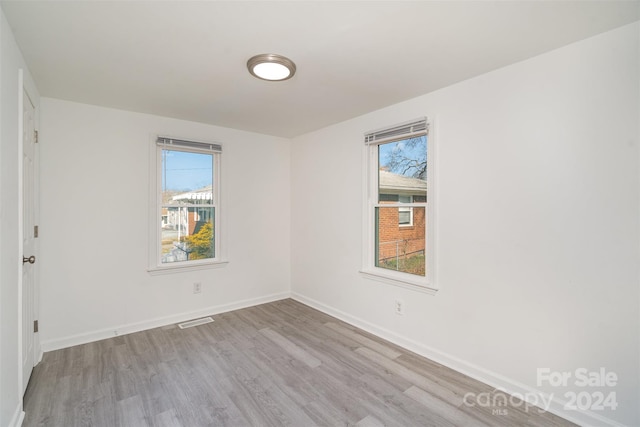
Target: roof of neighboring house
(204,193)
(393,181)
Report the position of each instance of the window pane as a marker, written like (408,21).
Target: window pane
(187,233)
(393,198)
(402,169)
(404,216)
(400,248)
(186,177)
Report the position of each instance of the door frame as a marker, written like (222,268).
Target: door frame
(25,85)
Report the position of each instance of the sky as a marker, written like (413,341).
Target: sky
(183,171)
(416,152)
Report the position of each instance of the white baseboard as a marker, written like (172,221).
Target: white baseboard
(18,416)
(56,344)
(493,379)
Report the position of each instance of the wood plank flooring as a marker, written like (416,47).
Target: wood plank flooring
(277,364)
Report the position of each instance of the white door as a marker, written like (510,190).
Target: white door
(28,242)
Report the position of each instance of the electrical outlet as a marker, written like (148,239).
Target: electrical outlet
(197,287)
(399,307)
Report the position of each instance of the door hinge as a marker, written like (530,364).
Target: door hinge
(35,326)
(35,231)
(35,136)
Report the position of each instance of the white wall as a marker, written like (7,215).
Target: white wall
(11,62)
(538,233)
(94,209)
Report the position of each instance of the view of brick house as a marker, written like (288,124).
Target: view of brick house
(188,219)
(181,221)
(400,231)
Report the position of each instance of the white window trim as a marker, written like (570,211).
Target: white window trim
(155,267)
(427,284)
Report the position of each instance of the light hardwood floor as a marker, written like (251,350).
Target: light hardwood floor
(275,364)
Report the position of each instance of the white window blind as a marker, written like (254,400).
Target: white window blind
(405,130)
(169,143)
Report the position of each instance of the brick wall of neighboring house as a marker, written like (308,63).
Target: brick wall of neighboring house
(195,224)
(191,221)
(406,239)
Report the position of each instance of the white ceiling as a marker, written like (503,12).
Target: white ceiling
(188,59)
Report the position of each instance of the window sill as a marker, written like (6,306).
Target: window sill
(391,279)
(154,271)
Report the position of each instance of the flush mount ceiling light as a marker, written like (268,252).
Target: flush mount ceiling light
(272,67)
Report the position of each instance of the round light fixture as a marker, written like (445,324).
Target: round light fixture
(272,67)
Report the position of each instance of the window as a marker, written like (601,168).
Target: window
(185,230)
(399,229)
(405,215)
